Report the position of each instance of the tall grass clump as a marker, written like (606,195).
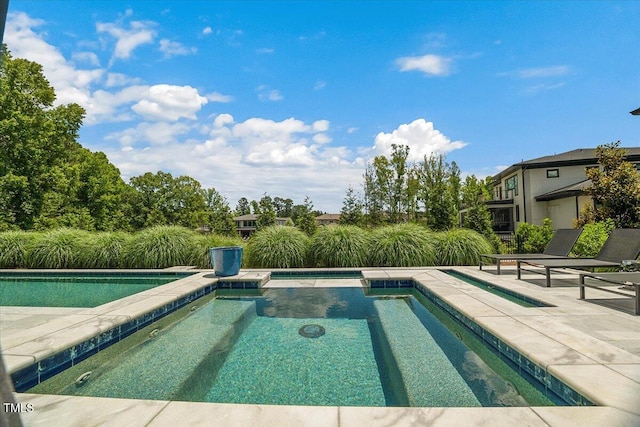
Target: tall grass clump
(277,247)
(104,250)
(160,246)
(461,246)
(14,248)
(402,245)
(58,248)
(203,243)
(339,246)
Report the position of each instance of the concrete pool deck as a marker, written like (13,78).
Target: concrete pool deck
(592,347)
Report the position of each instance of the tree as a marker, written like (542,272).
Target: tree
(438,187)
(164,200)
(266,213)
(34,138)
(283,207)
(218,214)
(474,194)
(307,221)
(243,207)
(615,188)
(351,212)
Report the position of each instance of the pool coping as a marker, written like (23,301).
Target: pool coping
(605,374)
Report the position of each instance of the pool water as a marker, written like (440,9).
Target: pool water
(56,290)
(375,351)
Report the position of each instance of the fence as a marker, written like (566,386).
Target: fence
(511,243)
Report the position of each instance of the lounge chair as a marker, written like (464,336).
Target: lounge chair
(558,247)
(631,279)
(622,244)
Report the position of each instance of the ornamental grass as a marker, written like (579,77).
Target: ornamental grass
(160,246)
(339,246)
(104,250)
(461,246)
(277,247)
(14,248)
(58,248)
(402,245)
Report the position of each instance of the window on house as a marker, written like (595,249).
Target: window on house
(553,173)
(512,184)
(517,213)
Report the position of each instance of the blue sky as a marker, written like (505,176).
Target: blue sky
(293,98)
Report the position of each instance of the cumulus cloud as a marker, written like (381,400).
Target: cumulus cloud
(218,97)
(420,136)
(170,103)
(267,94)
(127,39)
(171,48)
(88,57)
(71,84)
(207,30)
(430,65)
(144,134)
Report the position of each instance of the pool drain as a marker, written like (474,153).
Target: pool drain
(311,331)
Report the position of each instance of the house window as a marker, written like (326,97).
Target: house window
(512,184)
(517,213)
(553,173)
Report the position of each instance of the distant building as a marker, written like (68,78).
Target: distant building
(246,224)
(546,187)
(328,219)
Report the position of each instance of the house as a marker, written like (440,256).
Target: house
(546,187)
(246,224)
(328,219)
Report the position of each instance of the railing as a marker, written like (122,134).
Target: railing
(511,243)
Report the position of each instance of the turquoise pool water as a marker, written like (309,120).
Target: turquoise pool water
(374,351)
(77,290)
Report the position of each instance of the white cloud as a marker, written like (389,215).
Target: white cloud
(171,48)
(127,39)
(88,57)
(265,50)
(218,97)
(431,65)
(144,134)
(119,79)
(266,94)
(421,138)
(320,84)
(170,103)
(207,30)
(542,72)
(71,84)
(542,87)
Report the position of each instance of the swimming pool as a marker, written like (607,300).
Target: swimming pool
(55,289)
(387,350)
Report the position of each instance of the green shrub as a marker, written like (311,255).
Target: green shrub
(201,257)
(104,250)
(402,245)
(339,246)
(14,248)
(161,246)
(534,238)
(277,247)
(58,248)
(461,247)
(592,238)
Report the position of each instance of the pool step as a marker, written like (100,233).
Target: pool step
(429,377)
(159,368)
